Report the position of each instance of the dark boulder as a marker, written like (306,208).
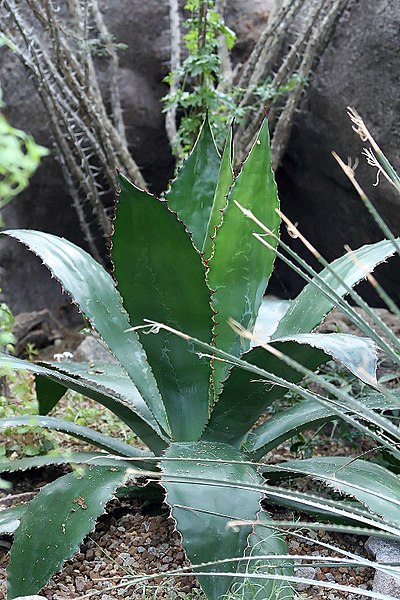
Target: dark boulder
(46,205)
(359,68)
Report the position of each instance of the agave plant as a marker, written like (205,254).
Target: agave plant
(194,388)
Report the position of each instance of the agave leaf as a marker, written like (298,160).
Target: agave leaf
(344,401)
(94,291)
(161,277)
(48,393)
(225,180)
(310,307)
(80,432)
(265,541)
(357,354)
(66,458)
(376,487)
(67,510)
(220,495)
(302,416)
(240,267)
(245,397)
(340,512)
(110,385)
(270,313)
(123,408)
(10,518)
(191,194)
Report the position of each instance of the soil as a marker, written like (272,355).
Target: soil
(134,538)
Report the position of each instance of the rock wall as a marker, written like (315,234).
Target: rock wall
(359,68)
(45,205)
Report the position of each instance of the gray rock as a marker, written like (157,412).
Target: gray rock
(46,205)
(304,573)
(385,551)
(91,350)
(30,598)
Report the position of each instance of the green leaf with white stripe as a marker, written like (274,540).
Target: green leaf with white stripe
(67,510)
(191,194)
(310,307)
(240,267)
(93,290)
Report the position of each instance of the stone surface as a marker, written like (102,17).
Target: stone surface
(38,328)
(304,573)
(92,350)
(360,67)
(385,551)
(45,205)
(30,598)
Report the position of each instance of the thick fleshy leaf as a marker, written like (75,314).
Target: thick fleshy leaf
(161,277)
(67,458)
(345,400)
(311,305)
(240,267)
(66,510)
(206,488)
(80,432)
(110,385)
(376,487)
(270,313)
(48,393)
(92,288)
(245,397)
(127,411)
(265,541)
(191,194)
(224,183)
(302,416)
(10,518)
(342,512)
(357,354)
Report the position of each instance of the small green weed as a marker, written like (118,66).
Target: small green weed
(200,90)
(7,339)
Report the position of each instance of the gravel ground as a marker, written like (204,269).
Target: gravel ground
(129,540)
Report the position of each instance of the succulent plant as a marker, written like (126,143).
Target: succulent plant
(189,384)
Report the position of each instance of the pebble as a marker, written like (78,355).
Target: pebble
(385,551)
(80,584)
(150,544)
(304,573)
